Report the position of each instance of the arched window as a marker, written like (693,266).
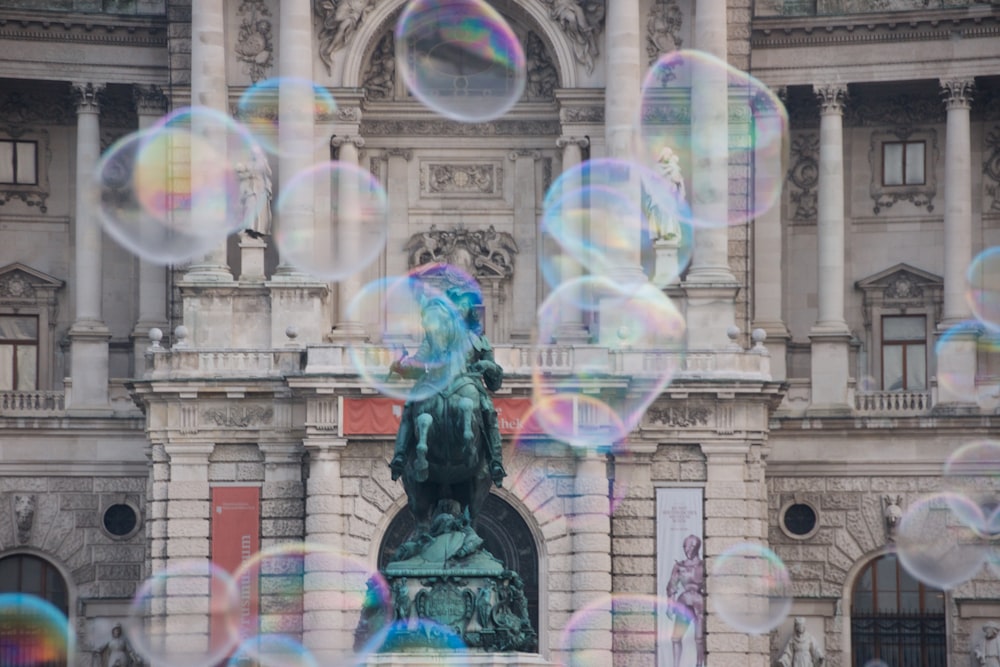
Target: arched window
(24,573)
(895,618)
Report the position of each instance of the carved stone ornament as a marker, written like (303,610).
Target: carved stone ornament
(480,252)
(543,79)
(663,29)
(339,21)
(582,114)
(957,93)
(803,176)
(679,416)
(991,171)
(892,510)
(465,179)
(832,98)
(379,80)
(32,107)
(237,416)
(452,128)
(254,43)
(24,516)
(907,110)
(583,22)
(149,100)
(86,97)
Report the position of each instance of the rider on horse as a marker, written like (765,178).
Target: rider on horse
(478,361)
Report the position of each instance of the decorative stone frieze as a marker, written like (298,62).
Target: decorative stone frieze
(679,416)
(473,179)
(451,128)
(255,43)
(491,253)
(339,21)
(907,110)
(582,114)
(803,176)
(239,416)
(40,105)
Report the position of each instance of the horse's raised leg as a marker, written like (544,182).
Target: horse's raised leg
(420,467)
(465,405)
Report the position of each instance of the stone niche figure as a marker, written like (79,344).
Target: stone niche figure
(893,512)
(987,652)
(802,649)
(255,194)
(24,516)
(117,652)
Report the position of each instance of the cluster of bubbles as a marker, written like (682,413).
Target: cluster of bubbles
(945,538)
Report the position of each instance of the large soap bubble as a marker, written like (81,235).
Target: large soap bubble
(934,543)
(33,632)
(752,589)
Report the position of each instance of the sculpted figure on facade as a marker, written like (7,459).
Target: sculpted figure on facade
(255,194)
(542,76)
(24,516)
(381,75)
(117,652)
(802,649)
(340,19)
(686,589)
(581,20)
(665,220)
(987,652)
(893,515)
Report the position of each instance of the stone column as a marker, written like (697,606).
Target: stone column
(150,105)
(957,355)
(735,512)
(208,89)
(590,528)
(327,627)
(768,262)
(349,238)
(524,282)
(711,287)
(571,327)
(89,335)
(296,130)
(830,336)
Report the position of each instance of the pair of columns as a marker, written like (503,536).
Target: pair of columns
(830,336)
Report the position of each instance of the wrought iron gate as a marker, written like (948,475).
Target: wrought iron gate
(899,639)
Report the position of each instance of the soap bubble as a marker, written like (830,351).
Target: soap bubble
(956,350)
(972,474)
(420,635)
(935,545)
(752,589)
(186,614)
(984,287)
(272,651)
(332,220)
(680,132)
(34,632)
(257,109)
(460,58)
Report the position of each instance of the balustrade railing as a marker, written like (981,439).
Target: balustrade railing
(31,403)
(889,403)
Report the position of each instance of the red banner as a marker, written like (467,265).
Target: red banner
(381,416)
(235,538)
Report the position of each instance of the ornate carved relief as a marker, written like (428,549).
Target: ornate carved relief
(583,22)
(918,195)
(543,79)
(832,98)
(900,287)
(897,110)
(87,96)
(680,416)
(991,171)
(957,93)
(254,43)
(33,107)
(339,20)
(481,252)
(803,177)
(149,100)
(239,416)
(582,114)
(379,80)
(450,128)
(24,516)
(461,179)
(663,29)
(34,194)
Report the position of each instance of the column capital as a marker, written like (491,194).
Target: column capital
(957,93)
(832,98)
(338,140)
(149,100)
(404,153)
(564,142)
(86,96)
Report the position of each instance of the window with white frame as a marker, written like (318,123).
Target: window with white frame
(18,352)
(18,162)
(904,352)
(903,163)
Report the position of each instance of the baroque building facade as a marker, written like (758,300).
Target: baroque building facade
(818,396)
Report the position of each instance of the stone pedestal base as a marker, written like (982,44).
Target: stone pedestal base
(666,271)
(830,370)
(252,259)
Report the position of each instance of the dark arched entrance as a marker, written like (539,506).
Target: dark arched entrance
(506,536)
(31,575)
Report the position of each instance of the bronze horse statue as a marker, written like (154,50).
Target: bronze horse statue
(444,434)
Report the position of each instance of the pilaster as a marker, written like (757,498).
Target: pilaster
(571,327)
(348,147)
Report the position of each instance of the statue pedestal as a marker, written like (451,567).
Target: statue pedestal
(666,270)
(252,259)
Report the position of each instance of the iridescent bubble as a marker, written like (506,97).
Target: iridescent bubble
(875,662)
(272,651)
(314,591)
(186,614)
(984,287)
(332,220)
(460,58)
(972,473)
(683,126)
(641,623)
(643,334)
(418,635)
(752,589)
(33,632)
(425,330)
(956,351)
(935,545)
(257,108)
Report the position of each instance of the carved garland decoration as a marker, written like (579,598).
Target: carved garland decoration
(803,176)
(254,44)
(991,170)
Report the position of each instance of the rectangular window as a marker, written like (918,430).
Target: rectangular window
(18,162)
(903,163)
(904,353)
(18,352)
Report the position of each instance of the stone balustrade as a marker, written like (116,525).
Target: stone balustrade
(31,403)
(890,403)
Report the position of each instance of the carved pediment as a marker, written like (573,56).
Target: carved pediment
(483,253)
(23,284)
(901,286)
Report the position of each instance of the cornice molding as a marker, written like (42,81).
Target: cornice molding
(89,29)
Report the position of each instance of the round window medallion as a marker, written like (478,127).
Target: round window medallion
(799,520)
(121,520)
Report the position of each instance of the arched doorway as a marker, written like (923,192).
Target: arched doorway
(31,575)
(896,618)
(506,536)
